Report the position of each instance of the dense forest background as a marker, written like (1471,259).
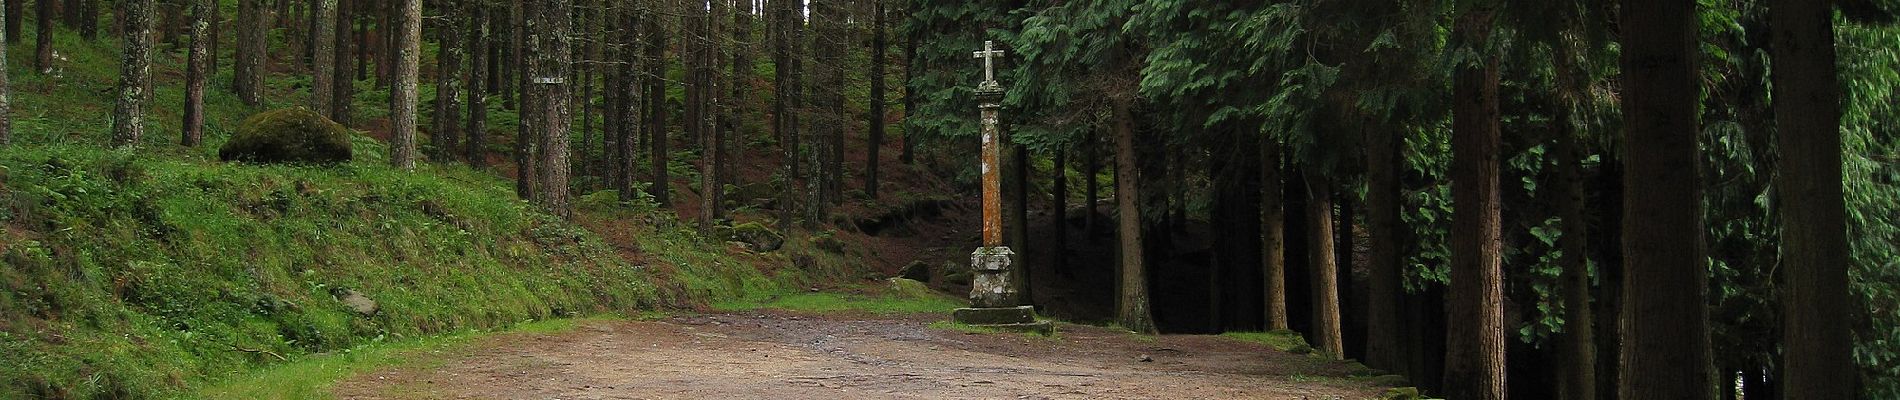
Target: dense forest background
(1571,199)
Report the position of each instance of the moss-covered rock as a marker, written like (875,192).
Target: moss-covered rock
(291,135)
(757,237)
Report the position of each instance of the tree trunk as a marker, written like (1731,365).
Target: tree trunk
(909,154)
(323,87)
(784,124)
(1059,207)
(1818,357)
(656,106)
(43,37)
(1474,366)
(89,21)
(1324,267)
(448,64)
(552,51)
(589,15)
(16,20)
(6,89)
(1132,310)
(1273,234)
(135,74)
(193,131)
(475,149)
(1577,374)
(1665,348)
(712,183)
(343,97)
(402,152)
(247,75)
(527,133)
(878,47)
(1386,274)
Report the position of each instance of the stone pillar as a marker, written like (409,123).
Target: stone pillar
(992,295)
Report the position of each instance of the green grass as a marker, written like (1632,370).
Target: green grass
(140,273)
(1283,340)
(312,377)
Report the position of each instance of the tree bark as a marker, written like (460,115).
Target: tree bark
(447,82)
(323,87)
(656,106)
(343,99)
(527,132)
(1059,207)
(1386,274)
(1577,377)
(403,99)
(475,81)
(712,179)
(1665,339)
(784,123)
(1132,310)
(1328,339)
(193,131)
(135,74)
(43,37)
(876,122)
(6,89)
(1818,354)
(552,52)
(1474,366)
(1273,233)
(247,75)
(16,20)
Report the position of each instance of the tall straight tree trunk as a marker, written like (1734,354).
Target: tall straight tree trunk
(1132,310)
(193,130)
(135,74)
(631,85)
(1818,357)
(448,78)
(878,47)
(6,90)
(247,77)
(89,21)
(1383,348)
(16,20)
(1328,339)
(1059,200)
(527,131)
(403,99)
(476,149)
(1577,374)
(656,106)
(712,188)
(784,125)
(909,154)
(1474,366)
(1273,233)
(343,96)
(1666,347)
(552,51)
(323,73)
(43,36)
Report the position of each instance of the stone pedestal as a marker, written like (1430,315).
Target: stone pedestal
(993,298)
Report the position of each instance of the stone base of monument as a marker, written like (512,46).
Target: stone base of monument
(1014,319)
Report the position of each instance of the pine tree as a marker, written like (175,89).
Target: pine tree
(201,11)
(253,32)
(1665,329)
(479,69)
(551,51)
(323,87)
(404,98)
(448,79)
(6,90)
(135,74)
(43,36)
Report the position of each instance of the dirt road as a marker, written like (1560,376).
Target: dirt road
(788,356)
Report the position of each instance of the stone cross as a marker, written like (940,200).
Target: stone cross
(989,55)
(993,301)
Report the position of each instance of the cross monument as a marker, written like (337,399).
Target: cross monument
(992,295)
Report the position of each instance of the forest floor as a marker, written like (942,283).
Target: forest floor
(773,354)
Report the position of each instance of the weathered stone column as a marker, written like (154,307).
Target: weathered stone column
(992,296)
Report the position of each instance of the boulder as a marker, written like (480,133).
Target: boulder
(756,237)
(291,135)
(357,302)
